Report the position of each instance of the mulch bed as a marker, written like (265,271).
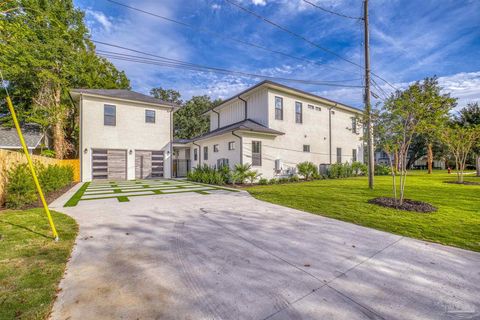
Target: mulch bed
(52,196)
(408,204)
(467,183)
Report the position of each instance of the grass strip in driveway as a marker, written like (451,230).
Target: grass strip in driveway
(73,201)
(31,263)
(457,221)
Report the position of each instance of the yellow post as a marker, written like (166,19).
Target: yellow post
(32,169)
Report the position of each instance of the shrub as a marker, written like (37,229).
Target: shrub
(252,175)
(263,181)
(359,169)
(21,190)
(209,175)
(273,181)
(283,180)
(48,153)
(294,178)
(307,169)
(240,172)
(382,170)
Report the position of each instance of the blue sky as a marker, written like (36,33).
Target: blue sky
(410,40)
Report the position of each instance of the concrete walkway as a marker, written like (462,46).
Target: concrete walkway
(229,256)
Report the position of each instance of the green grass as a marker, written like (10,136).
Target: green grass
(456,223)
(31,263)
(73,201)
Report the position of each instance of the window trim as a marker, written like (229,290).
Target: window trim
(105,116)
(195,154)
(280,109)
(205,152)
(231,145)
(298,103)
(354,125)
(339,155)
(259,153)
(306,148)
(150,117)
(354,155)
(215,147)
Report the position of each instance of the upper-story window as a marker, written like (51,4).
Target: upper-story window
(354,125)
(298,112)
(109,115)
(306,148)
(150,116)
(278,108)
(231,145)
(205,153)
(311,107)
(215,148)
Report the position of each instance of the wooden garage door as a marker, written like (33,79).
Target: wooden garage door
(109,164)
(148,164)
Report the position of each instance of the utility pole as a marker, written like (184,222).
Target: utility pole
(368,107)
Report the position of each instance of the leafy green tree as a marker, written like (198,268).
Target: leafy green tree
(45,52)
(404,115)
(169,95)
(469,116)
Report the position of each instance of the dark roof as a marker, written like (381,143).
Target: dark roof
(269,82)
(124,94)
(31,133)
(244,125)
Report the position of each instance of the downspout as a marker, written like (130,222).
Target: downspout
(218,118)
(330,133)
(241,146)
(199,153)
(171,143)
(80,138)
(246,106)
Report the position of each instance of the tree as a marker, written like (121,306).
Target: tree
(189,121)
(169,95)
(405,114)
(460,141)
(470,116)
(46,51)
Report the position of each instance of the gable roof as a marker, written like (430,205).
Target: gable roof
(284,88)
(244,125)
(31,133)
(123,94)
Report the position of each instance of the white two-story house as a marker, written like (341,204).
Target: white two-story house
(274,127)
(123,135)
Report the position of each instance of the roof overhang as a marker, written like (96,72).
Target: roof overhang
(75,95)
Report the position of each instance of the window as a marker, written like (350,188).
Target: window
(354,125)
(354,155)
(278,108)
(298,112)
(306,148)
(318,108)
(222,162)
(311,107)
(150,116)
(205,153)
(215,148)
(256,153)
(231,145)
(109,115)
(339,155)
(195,154)
(187,153)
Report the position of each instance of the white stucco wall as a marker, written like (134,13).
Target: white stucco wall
(223,152)
(131,132)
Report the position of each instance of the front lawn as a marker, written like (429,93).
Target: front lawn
(31,263)
(456,223)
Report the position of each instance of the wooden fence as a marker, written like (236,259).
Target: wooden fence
(10,159)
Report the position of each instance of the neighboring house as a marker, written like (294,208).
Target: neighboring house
(32,134)
(123,135)
(274,127)
(381,157)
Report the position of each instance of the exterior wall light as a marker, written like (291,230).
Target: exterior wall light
(130,151)
(85,151)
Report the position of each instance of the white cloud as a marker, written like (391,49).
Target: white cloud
(99,18)
(216,6)
(259,2)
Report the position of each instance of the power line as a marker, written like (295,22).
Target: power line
(302,38)
(169,62)
(331,12)
(197,29)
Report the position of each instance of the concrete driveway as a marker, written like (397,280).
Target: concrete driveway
(228,256)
